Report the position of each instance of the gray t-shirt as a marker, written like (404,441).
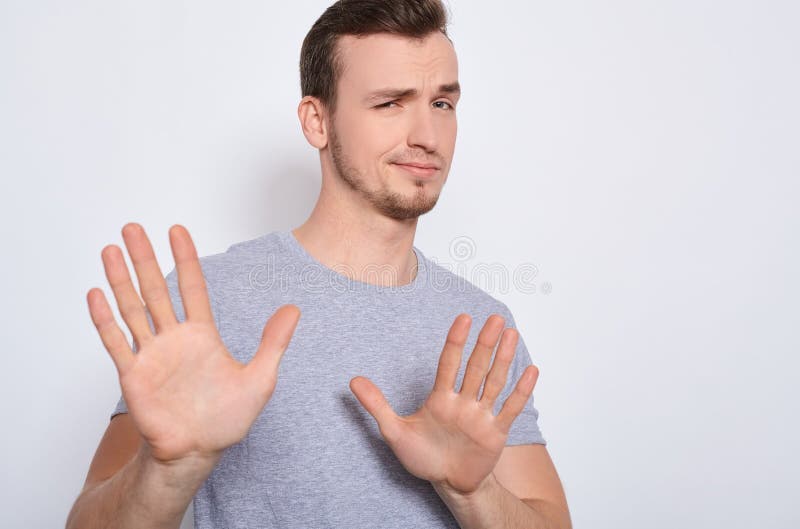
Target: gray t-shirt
(314,458)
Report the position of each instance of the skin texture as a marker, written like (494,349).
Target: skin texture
(368,136)
(188,398)
(187,395)
(452,428)
(368,206)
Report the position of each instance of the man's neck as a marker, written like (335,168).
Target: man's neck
(375,250)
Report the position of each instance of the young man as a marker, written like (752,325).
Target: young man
(363,412)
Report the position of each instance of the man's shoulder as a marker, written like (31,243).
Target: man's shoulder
(447,283)
(255,246)
(245,253)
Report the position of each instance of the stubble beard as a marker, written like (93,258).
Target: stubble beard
(390,203)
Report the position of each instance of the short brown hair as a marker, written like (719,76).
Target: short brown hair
(320,62)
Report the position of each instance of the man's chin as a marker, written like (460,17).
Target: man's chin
(403,207)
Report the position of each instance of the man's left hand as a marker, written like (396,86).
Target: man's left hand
(454,440)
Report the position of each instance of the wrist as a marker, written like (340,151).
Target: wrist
(185,473)
(485,489)
(477,508)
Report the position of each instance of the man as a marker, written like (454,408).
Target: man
(275,426)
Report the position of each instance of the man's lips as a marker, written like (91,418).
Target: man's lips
(420,165)
(419,169)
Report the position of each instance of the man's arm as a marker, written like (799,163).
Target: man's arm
(142,493)
(523,491)
(455,441)
(171,386)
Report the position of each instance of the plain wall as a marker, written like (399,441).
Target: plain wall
(641,157)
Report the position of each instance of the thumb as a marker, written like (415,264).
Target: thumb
(376,404)
(275,340)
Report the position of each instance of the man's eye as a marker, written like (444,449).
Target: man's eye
(389,103)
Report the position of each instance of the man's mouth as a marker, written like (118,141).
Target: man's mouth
(419,169)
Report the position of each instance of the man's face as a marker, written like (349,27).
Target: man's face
(375,133)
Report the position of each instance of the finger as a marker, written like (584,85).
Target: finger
(111,335)
(376,404)
(481,355)
(275,338)
(129,303)
(151,281)
(498,374)
(450,359)
(515,403)
(191,282)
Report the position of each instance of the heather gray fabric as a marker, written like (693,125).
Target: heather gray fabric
(315,458)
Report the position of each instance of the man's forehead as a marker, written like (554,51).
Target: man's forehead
(383,58)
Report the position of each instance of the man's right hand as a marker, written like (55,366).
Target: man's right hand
(189,398)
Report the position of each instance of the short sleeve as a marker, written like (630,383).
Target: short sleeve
(525,428)
(177,305)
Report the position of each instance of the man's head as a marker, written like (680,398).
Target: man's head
(354,54)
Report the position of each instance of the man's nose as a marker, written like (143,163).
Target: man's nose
(422,132)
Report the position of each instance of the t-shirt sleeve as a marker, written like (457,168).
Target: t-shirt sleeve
(525,428)
(177,305)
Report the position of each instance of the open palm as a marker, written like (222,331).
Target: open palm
(185,392)
(454,439)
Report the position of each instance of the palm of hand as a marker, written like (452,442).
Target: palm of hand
(188,395)
(454,439)
(445,433)
(185,392)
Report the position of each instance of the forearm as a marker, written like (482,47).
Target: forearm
(143,494)
(494,507)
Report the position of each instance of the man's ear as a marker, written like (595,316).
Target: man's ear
(313,120)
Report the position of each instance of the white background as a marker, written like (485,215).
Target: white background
(642,155)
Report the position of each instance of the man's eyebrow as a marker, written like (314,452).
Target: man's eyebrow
(399,93)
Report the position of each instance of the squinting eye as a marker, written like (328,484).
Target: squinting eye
(446,103)
(385,105)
